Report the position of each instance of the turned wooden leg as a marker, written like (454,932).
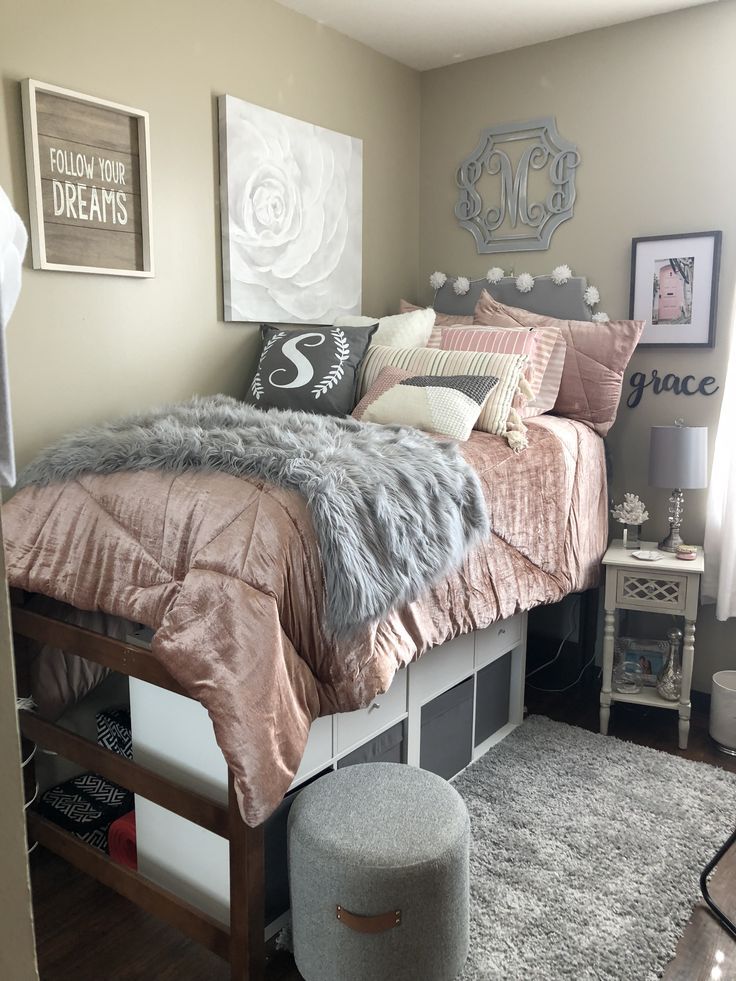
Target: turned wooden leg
(247,896)
(688,656)
(609,625)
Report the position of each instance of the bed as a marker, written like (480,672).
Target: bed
(200,556)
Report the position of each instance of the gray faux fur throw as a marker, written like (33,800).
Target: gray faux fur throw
(394,510)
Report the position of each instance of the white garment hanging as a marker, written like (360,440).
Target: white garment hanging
(13,241)
(719,580)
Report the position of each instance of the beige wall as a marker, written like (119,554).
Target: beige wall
(84,347)
(649,105)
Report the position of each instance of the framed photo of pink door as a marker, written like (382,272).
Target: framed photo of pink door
(674,288)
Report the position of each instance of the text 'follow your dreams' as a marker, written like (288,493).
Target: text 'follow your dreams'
(80,198)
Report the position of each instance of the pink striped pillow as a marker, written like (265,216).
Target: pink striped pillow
(501,340)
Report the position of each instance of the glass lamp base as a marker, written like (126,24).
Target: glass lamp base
(676,507)
(670,543)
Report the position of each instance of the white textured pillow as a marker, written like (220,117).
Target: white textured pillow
(400,330)
(498,415)
(447,405)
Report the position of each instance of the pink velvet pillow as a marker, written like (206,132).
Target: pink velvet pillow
(595,359)
(502,340)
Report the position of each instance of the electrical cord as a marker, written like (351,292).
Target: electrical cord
(559,691)
(568,635)
(33,799)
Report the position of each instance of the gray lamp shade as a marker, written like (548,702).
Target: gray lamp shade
(678,457)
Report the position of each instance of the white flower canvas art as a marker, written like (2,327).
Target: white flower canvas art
(292,202)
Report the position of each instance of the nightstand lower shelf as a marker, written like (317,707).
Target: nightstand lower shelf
(647,697)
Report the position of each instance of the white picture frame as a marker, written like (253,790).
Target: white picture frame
(41,218)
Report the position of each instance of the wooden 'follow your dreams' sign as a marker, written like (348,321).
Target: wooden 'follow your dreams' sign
(88,164)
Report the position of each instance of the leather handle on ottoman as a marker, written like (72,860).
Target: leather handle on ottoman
(369,924)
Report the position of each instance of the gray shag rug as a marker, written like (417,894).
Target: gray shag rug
(586,854)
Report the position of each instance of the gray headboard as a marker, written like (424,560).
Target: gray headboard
(564,302)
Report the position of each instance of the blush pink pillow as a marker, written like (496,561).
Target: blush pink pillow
(501,340)
(596,357)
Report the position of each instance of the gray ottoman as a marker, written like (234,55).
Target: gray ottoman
(378,868)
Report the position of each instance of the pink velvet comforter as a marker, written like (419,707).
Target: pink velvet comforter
(227,572)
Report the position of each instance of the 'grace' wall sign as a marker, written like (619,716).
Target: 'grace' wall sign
(687,385)
(527,173)
(88,182)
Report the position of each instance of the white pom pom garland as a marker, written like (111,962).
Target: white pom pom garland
(561,274)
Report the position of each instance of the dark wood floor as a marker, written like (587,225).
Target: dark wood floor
(86,933)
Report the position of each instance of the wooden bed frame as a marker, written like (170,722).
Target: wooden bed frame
(243,945)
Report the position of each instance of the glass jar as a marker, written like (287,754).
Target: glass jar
(628,677)
(632,536)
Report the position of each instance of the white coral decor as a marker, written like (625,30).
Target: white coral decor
(600,318)
(461,285)
(495,274)
(437,280)
(631,511)
(591,296)
(561,274)
(525,283)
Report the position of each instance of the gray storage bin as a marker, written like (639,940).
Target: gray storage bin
(388,747)
(447,731)
(493,685)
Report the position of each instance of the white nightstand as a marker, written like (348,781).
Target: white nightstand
(669,585)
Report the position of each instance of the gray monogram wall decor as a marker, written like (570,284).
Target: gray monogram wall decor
(541,149)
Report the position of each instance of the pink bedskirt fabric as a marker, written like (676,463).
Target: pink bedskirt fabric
(227,571)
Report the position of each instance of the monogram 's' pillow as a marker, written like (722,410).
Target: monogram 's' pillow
(596,357)
(498,414)
(447,405)
(314,369)
(400,330)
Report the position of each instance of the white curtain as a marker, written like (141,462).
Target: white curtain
(13,241)
(719,582)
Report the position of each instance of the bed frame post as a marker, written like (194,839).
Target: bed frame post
(247,895)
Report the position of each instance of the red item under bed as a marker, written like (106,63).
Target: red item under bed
(121,841)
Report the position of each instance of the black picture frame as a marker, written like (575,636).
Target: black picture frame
(716,236)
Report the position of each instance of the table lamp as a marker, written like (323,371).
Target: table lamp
(678,458)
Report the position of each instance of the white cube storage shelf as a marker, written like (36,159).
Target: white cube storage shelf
(465,695)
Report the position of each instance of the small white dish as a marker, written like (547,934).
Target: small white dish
(647,556)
